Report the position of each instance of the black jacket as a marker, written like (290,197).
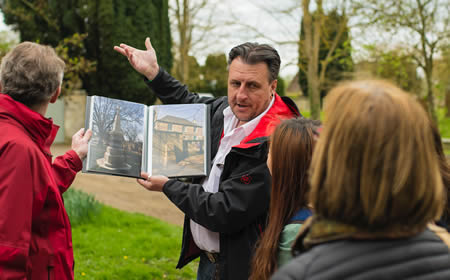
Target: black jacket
(238,210)
(423,256)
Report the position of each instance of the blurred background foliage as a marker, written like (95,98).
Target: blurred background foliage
(328,36)
(107,23)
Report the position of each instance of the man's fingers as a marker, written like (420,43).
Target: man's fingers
(144,175)
(146,184)
(120,50)
(78,134)
(88,134)
(148,44)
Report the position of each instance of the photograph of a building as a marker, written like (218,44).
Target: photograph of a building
(178,140)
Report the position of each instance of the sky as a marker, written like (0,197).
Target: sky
(230,35)
(239,21)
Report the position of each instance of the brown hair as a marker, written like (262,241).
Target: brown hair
(291,147)
(375,166)
(445,171)
(31,73)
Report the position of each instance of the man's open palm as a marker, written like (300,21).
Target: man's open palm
(143,61)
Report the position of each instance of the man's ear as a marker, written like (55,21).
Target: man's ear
(55,95)
(273,85)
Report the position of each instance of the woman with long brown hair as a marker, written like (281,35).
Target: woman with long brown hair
(376,185)
(290,153)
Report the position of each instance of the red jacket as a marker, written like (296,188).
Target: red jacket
(35,235)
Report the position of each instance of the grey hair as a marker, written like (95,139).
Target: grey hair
(31,73)
(253,53)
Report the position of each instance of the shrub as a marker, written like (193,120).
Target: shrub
(80,206)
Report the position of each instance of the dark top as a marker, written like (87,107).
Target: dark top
(423,256)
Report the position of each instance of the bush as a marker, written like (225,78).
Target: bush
(80,206)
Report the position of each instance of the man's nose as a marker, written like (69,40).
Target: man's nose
(241,93)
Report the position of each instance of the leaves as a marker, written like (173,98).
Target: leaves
(71,50)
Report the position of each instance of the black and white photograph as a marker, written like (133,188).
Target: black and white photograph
(118,134)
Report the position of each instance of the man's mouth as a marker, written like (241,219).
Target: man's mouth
(241,105)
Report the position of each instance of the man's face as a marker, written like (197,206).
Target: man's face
(249,89)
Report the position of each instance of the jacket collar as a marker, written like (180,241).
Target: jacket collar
(278,112)
(317,230)
(41,130)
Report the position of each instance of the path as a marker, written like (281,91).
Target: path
(125,194)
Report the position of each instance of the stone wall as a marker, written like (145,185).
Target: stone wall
(74,113)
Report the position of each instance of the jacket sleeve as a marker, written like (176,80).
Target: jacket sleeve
(171,91)
(18,183)
(65,168)
(241,199)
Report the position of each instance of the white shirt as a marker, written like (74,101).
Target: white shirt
(205,239)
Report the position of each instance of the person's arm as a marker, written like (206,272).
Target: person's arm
(167,88)
(16,201)
(65,167)
(171,91)
(243,197)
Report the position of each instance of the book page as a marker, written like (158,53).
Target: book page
(145,157)
(118,135)
(179,143)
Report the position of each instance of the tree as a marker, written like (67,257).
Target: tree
(103,118)
(341,61)
(215,74)
(442,78)
(315,32)
(7,42)
(395,65)
(427,23)
(281,86)
(71,50)
(114,77)
(195,77)
(192,29)
(107,23)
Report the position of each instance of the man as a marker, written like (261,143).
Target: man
(35,235)
(226,213)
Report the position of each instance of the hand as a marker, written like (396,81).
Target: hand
(143,61)
(153,183)
(80,142)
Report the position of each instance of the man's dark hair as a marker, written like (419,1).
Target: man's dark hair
(253,53)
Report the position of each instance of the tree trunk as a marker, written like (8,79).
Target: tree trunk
(430,98)
(312,31)
(314,94)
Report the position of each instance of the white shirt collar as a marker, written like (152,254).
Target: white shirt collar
(230,120)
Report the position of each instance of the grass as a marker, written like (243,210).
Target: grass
(114,244)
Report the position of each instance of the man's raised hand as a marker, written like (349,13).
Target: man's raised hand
(143,61)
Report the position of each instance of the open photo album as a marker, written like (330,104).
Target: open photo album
(128,137)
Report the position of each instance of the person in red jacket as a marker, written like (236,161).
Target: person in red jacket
(35,234)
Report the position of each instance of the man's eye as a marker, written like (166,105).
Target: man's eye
(235,84)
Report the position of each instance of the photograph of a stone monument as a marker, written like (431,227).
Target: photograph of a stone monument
(118,135)
(178,140)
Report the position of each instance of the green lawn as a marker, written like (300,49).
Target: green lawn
(120,245)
